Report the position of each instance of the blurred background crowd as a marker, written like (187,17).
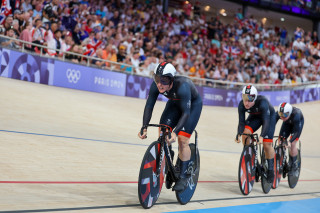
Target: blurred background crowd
(138,35)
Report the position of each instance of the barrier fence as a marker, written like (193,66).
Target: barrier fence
(48,70)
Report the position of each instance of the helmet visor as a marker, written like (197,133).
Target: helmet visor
(248,97)
(283,115)
(164,80)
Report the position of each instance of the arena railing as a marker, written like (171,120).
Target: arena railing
(115,66)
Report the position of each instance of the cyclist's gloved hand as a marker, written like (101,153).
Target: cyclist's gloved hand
(143,133)
(173,137)
(260,140)
(237,140)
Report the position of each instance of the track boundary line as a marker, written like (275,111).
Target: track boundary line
(163,203)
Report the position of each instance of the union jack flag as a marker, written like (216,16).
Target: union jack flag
(5,10)
(233,50)
(92,48)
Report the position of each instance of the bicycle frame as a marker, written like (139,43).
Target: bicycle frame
(254,138)
(164,132)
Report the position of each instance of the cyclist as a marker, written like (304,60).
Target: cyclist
(292,124)
(181,114)
(261,113)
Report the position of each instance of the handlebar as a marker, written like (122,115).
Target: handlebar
(281,140)
(254,137)
(166,128)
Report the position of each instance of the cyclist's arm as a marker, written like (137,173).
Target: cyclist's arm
(277,117)
(297,127)
(265,113)
(184,93)
(242,117)
(152,98)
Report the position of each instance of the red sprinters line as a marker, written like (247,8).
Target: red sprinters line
(112,182)
(69,182)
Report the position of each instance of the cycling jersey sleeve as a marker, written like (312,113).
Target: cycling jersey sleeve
(184,93)
(242,117)
(265,113)
(277,117)
(297,127)
(152,98)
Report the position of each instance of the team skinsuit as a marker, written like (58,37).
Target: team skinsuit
(261,113)
(293,126)
(182,111)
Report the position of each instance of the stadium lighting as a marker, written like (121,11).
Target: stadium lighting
(264,20)
(223,12)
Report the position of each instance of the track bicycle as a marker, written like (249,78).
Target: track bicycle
(250,168)
(157,163)
(283,166)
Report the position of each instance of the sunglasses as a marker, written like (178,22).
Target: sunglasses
(283,115)
(247,97)
(164,80)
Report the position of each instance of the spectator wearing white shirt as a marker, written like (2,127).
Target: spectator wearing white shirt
(136,61)
(287,80)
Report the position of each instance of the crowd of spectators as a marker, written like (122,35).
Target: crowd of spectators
(138,34)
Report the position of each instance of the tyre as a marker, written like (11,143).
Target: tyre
(247,170)
(293,179)
(264,168)
(185,196)
(149,183)
(278,167)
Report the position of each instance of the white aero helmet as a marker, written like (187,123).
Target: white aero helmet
(284,110)
(249,93)
(164,73)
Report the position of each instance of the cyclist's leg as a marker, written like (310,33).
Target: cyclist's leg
(296,130)
(294,150)
(269,150)
(293,154)
(170,117)
(285,131)
(184,149)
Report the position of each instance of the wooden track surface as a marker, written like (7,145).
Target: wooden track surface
(66,150)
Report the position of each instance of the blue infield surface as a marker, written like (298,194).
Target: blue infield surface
(304,206)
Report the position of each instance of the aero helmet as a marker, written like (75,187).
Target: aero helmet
(249,93)
(164,73)
(284,110)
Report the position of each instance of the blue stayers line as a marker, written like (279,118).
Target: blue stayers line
(61,136)
(118,142)
(308,205)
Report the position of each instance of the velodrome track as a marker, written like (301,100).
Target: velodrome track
(64,150)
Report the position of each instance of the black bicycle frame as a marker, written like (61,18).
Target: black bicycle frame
(165,131)
(254,138)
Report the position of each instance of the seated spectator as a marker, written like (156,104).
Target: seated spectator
(26,36)
(99,63)
(74,58)
(136,61)
(127,66)
(121,55)
(5,42)
(55,44)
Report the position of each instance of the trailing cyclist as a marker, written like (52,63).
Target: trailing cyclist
(181,114)
(261,113)
(292,124)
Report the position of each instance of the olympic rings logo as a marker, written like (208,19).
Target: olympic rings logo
(73,75)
